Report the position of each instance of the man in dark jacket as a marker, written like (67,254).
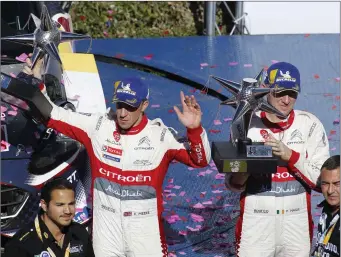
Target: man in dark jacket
(328,235)
(53,234)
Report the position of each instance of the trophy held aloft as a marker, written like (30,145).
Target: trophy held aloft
(240,154)
(45,40)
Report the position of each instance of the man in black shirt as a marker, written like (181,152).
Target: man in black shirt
(53,234)
(328,236)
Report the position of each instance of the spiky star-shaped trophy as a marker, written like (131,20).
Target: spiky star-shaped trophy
(240,154)
(45,41)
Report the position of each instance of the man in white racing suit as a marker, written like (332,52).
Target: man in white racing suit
(129,156)
(275,210)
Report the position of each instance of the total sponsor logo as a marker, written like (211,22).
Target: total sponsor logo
(198,150)
(111,150)
(114,175)
(130,213)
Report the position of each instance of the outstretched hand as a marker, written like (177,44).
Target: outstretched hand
(36,71)
(191,115)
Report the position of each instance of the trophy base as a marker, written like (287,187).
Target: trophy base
(227,158)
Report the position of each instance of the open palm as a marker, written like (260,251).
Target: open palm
(191,115)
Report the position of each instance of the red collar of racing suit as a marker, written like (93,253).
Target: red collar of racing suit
(136,129)
(279,126)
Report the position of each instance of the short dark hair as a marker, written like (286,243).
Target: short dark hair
(331,163)
(56,183)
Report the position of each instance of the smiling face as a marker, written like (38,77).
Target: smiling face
(128,116)
(283,101)
(61,208)
(330,186)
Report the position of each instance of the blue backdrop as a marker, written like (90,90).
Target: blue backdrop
(200,213)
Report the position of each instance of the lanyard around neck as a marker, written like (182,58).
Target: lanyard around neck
(324,239)
(37,226)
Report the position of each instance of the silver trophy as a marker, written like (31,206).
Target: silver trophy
(45,40)
(240,154)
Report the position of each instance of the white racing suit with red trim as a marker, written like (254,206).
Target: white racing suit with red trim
(275,210)
(127,175)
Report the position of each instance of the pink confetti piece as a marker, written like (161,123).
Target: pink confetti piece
(148,57)
(193,229)
(212,164)
(155,106)
(22,57)
(110,12)
(14,107)
(177,187)
(182,193)
(172,219)
(333,149)
(198,206)
(220,176)
(37,135)
(171,255)
(3,108)
(233,63)
(227,119)
(12,113)
(336,121)
(216,191)
(167,191)
(274,61)
(190,168)
(248,65)
(208,171)
(337,79)
(228,205)
(201,174)
(217,122)
(214,168)
(203,64)
(184,233)
(13,75)
(182,253)
(171,194)
(207,202)
(105,33)
(4,145)
(196,217)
